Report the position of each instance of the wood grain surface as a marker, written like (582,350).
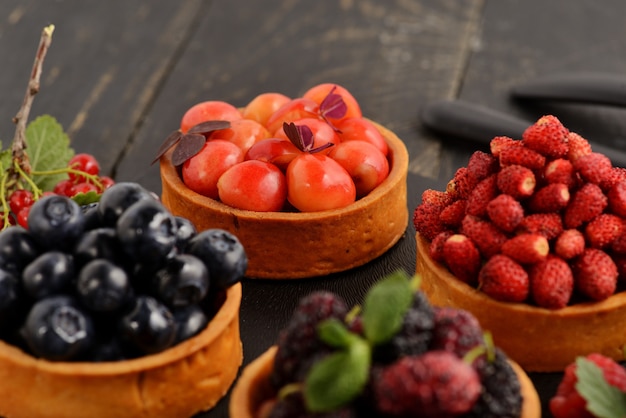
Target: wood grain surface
(120,74)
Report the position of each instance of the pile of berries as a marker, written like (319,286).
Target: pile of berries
(83,171)
(435,362)
(588,393)
(539,220)
(112,280)
(312,153)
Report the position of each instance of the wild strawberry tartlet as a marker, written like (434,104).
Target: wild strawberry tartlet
(116,309)
(530,239)
(319,189)
(431,362)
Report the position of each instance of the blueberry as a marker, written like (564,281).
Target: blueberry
(56,222)
(190,320)
(17,249)
(102,286)
(183,281)
(109,350)
(50,273)
(149,327)
(98,243)
(92,215)
(147,231)
(185,230)
(117,198)
(10,294)
(223,255)
(56,329)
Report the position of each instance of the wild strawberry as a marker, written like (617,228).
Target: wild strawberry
(498,143)
(617,175)
(481,195)
(617,199)
(435,384)
(426,220)
(503,279)
(523,156)
(547,224)
(516,181)
(547,136)
(560,170)
(550,198)
(603,230)
(456,330)
(551,283)
(595,274)
(505,212)
(618,246)
(578,146)
(461,184)
(452,215)
(435,249)
(436,197)
(487,237)
(526,248)
(568,403)
(594,167)
(462,257)
(569,244)
(481,165)
(586,203)
(620,263)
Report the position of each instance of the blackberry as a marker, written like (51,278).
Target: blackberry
(415,335)
(456,330)
(500,397)
(292,406)
(298,343)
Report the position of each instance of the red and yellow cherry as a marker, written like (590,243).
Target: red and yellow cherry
(316,182)
(367,166)
(293,110)
(209,110)
(319,92)
(243,132)
(202,171)
(363,130)
(263,106)
(322,132)
(253,185)
(277,151)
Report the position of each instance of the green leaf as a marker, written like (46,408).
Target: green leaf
(86,198)
(385,305)
(48,149)
(339,378)
(5,159)
(334,333)
(603,400)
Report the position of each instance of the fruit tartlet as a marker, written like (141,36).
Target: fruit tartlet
(117,308)
(530,238)
(397,356)
(308,181)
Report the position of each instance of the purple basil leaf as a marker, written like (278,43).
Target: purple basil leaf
(301,136)
(167,144)
(189,145)
(333,106)
(205,128)
(306,136)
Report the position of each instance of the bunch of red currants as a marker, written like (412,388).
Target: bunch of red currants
(311,153)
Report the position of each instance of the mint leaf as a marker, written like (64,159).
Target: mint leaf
(603,400)
(48,149)
(334,333)
(338,378)
(385,305)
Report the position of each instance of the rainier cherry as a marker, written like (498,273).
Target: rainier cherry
(293,110)
(367,166)
(322,132)
(320,93)
(210,110)
(351,129)
(316,182)
(243,133)
(201,172)
(253,185)
(262,106)
(277,151)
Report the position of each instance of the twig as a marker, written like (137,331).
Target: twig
(19,140)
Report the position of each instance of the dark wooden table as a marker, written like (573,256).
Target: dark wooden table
(120,73)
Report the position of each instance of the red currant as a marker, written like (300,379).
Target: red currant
(106,182)
(84,187)
(22,216)
(86,163)
(19,200)
(64,188)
